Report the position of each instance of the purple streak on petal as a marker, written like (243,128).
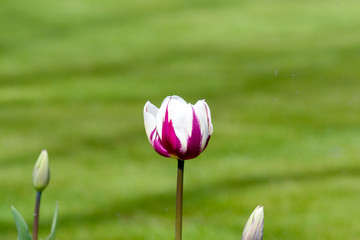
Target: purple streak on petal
(206,143)
(194,141)
(157,144)
(169,139)
(259,231)
(152,134)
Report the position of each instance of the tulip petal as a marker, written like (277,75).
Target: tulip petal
(173,123)
(158,145)
(150,112)
(176,103)
(169,139)
(203,112)
(254,227)
(178,99)
(181,116)
(160,115)
(204,109)
(195,139)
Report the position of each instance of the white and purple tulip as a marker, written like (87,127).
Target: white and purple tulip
(254,227)
(178,129)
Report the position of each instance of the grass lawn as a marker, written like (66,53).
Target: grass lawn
(282,80)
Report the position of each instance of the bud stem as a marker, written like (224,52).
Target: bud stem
(36,216)
(179,200)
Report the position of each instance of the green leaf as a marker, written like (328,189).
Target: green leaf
(21,226)
(53,226)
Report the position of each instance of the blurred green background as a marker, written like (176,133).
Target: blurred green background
(281,79)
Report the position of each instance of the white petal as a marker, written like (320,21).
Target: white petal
(160,117)
(202,105)
(151,108)
(165,101)
(203,114)
(150,112)
(178,99)
(182,117)
(209,117)
(180,113)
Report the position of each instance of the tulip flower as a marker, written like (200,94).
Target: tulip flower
(178,129)
(41,173)
(255,225)
(41,178)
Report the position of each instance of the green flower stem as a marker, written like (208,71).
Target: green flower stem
(179,200)
(36,216)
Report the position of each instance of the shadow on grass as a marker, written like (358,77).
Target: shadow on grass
(154,205)
(162,205)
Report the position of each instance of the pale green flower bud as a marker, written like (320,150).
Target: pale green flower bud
(41,173)
(255,225)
